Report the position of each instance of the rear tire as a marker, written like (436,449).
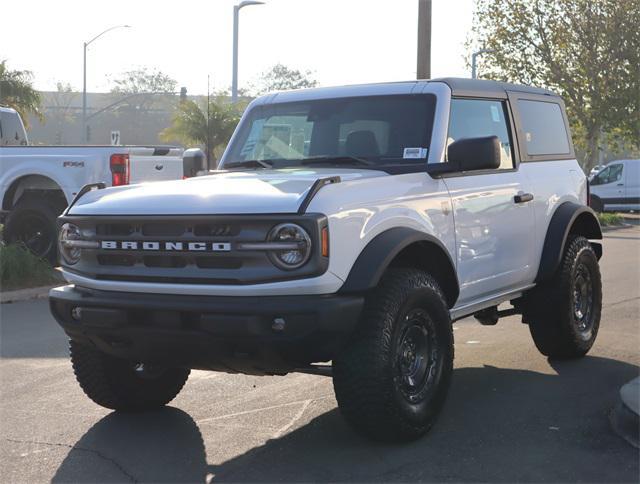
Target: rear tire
(564,314)
(393,377)
(123,385)
(32,224)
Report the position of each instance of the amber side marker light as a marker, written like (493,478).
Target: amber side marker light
(325,242)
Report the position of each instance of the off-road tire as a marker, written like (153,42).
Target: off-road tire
(39,212)
(367,380)
(553,311)
(114,383)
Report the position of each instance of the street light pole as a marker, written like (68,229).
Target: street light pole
(84,78)
(234,72)
(474,73)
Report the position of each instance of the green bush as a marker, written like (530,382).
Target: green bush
(609,219)
(19,268)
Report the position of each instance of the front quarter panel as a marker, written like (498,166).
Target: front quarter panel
(360,210)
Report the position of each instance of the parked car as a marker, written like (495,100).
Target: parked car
(594,171)
(617,187)
(38,182)
(350,225)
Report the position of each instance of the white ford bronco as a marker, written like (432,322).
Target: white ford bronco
(348,225)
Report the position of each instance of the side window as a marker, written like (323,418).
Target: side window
(475,118)
(616,173)
(610,174)
(544,130)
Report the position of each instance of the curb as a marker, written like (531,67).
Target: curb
(624,418)
(25,294)
(611,228)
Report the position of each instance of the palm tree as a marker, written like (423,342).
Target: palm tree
(17,92)
(190,125)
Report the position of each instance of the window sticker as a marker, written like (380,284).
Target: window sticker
(495,114)
(415,153)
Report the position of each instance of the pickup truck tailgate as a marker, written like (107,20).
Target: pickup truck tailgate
(155,164)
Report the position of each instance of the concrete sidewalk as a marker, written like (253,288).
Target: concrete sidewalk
(625,418)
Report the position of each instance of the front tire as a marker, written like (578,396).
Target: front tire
(123,385)
(393,377)
(564,315)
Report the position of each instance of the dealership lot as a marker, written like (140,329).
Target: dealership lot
(511,414)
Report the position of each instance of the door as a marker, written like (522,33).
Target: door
(609,186)
(494,219)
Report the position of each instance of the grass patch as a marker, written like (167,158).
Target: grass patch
(607,219)
(19,269)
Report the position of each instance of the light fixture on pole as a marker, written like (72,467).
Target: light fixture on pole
(234,73)
(473,60)
(84,77)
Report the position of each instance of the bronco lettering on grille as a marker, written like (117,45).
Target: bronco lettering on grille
(166,246)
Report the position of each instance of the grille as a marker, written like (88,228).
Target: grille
(167,248)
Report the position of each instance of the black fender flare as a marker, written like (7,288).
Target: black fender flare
(379,253)
(568,218)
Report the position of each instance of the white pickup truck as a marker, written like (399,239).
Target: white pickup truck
(38,182)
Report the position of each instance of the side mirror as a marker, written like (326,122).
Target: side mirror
(475,153)
(469,154)
(193,161)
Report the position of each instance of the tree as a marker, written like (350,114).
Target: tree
(588,51)
(281,78)
(145,83)
(190,125)
(60,113)
(17,92)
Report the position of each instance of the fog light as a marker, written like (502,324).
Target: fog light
(76,313)
(278,325)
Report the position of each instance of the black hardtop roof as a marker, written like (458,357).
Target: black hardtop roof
(482,87)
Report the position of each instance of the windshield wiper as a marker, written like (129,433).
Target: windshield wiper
(249,163)
(338,160)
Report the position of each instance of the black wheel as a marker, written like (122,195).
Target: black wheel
(32,223)
(565,315)
(392,378)
(124,385)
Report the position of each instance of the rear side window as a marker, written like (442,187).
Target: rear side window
(12,130)
(543,126)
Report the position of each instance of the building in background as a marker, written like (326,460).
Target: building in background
(139,118)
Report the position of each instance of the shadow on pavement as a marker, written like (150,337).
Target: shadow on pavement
(161,446)
(498,425)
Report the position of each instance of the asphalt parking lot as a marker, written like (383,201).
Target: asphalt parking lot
(511,415)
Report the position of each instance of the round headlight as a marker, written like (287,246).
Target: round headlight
(298,239)
(71,254)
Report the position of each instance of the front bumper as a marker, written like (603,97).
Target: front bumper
(223,333)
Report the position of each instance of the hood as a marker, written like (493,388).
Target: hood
(241,192)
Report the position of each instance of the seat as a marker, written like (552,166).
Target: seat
(361,143)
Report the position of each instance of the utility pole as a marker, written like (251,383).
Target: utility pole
(424,39)
(207,125)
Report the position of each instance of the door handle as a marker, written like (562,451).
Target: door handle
(620,184)
(523,197)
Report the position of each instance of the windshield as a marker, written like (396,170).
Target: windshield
(364,131)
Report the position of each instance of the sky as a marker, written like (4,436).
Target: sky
(340,41)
